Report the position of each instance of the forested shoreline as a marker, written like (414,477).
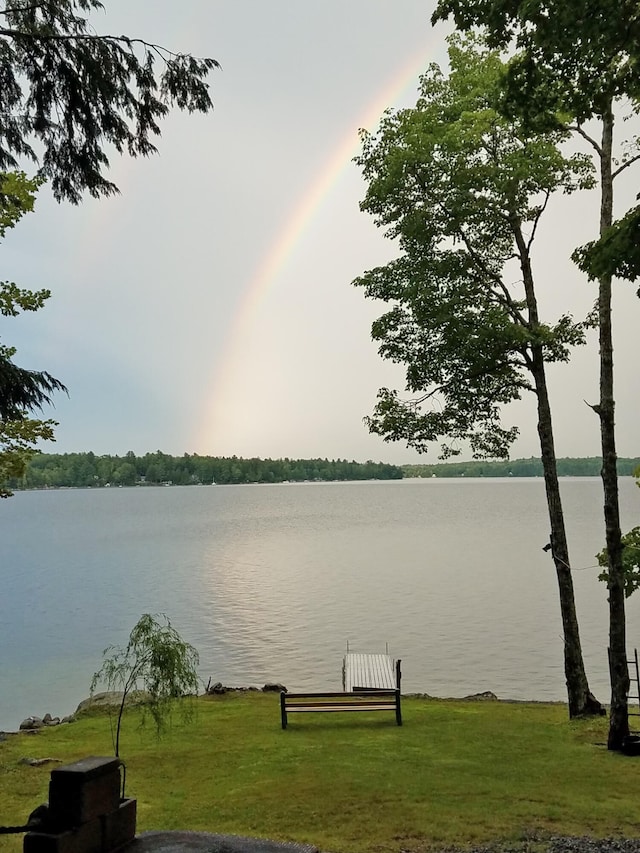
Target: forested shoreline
(84,470)
(567,467)
(88,470)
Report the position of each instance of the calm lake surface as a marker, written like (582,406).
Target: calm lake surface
(270,582)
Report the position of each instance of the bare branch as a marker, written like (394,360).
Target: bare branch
(163,52)
(594,407)
(624,166)
(578,129)
(536,220)
(15,9)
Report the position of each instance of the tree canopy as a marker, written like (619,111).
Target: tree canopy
(458,184)
(573,60)
(82,470)
(591,46)
(68,94)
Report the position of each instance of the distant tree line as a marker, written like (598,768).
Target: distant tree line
(86,470)
(581,467)
(83,470)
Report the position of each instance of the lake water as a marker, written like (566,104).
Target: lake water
(270,582)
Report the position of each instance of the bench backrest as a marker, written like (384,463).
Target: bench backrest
(362,700)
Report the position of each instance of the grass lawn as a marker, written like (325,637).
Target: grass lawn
(456,773)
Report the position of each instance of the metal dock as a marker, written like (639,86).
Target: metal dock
(369,672)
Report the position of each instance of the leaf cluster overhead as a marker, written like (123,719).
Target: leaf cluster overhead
(68,94)
(592,46)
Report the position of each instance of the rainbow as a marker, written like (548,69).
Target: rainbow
(272,264)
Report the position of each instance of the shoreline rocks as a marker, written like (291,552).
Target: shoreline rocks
(34,724)
(219,689)
(112,698)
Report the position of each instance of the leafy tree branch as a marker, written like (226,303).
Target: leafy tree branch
(22,391)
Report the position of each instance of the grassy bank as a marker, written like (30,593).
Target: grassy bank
(456,773)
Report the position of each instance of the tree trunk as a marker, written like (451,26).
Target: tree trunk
(619,674)
(581,700)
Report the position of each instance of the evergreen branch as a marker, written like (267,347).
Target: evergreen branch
(15,9)
(163,52)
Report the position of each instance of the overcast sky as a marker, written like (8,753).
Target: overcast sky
(209,307)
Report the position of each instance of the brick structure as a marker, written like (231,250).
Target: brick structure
(86,812)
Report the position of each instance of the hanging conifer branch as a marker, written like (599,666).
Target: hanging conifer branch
(78,93)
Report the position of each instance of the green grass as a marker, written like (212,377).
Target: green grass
(456,773)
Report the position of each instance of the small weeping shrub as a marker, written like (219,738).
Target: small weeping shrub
(156,660)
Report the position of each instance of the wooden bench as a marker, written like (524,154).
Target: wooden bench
(362,700)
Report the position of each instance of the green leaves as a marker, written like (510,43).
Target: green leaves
(573,55)
(14,299)
(616,253)
(21,391)
(17,197)
(17,440)
(462,188)
(630,562)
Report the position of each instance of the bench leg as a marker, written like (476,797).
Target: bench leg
(398,709)
(283,711)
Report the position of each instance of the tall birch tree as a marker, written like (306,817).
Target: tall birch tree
(581,58)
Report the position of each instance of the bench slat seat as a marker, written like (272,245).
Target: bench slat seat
(365,700)
(342,706)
